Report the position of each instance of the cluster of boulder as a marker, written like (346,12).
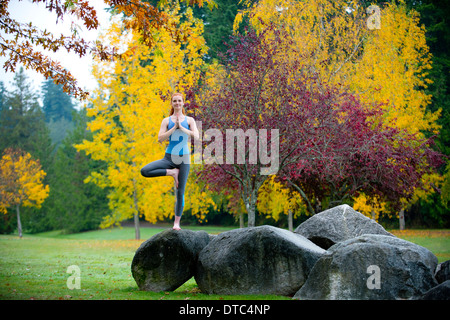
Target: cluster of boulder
(336,254)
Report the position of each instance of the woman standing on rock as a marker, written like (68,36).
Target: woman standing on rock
(178,128)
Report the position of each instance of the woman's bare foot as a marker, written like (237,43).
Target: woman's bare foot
(176,224)
(173,173)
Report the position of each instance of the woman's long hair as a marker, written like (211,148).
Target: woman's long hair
(171,108)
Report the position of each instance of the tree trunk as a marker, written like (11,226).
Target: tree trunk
(251,215)
(19,224)
(249,196)
(241,220)
(290,221)
(137,231)
(401,218)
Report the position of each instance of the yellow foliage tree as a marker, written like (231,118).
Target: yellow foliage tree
(378,52)
(386,61)
(127,110)
(275,199)
(21,183)
(372,207)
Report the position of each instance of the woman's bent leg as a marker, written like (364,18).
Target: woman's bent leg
(157,168)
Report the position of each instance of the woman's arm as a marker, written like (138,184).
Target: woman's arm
(164,134)
(192,133)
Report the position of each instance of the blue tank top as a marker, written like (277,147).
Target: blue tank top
(178,140)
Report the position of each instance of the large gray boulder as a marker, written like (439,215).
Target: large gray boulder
(440,292)
(371,267)
(258,260)
(338,224)
(443,272)
(167,260)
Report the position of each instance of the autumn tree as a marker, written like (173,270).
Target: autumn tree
(126,113)
(354,152)
(330,142)
(371,207)
(365,49)
(26,44)
(275,199)
(260,92)
(21,183)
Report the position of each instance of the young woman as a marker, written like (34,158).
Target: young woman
(178,128)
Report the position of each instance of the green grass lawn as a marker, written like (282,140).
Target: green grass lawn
(437,241)
(125,233)
(35,267)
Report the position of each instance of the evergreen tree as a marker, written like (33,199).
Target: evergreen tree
(219,25)
(22,121)
(56,103)
(58,108)
(434,15)
(75,206)
(22,126)
(218,22)
(434,211)
(2,96)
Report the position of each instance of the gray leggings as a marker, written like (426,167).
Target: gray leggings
(158,169)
